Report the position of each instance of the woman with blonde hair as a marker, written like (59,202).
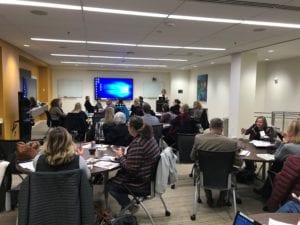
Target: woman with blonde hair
(78,109)
(109,115)
(60,153)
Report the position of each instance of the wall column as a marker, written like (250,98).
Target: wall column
(242,92)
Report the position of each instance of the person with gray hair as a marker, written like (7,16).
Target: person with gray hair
(118,133)
(214,141)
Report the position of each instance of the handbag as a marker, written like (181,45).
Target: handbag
(27,151)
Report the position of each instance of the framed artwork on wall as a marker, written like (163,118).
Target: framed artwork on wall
(202,87)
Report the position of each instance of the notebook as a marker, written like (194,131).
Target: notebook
(242,219)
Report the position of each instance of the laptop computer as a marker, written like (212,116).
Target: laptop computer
(242,219)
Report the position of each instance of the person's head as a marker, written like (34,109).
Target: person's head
(59,147)
(87,98)
(136,102)
(293,131)
(177,101)
(163,92)
(33,102)
(141,99)
(119,118)
(55,102)
(261,122)
(197,105)
(109,115)
(137,127)
(98,101)
(184,109)
(108,102)
(146,108)
(120,101)
(216,126)
(165,107)
(77,107)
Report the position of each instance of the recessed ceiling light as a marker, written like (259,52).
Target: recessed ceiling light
(119,57)
(267,59)
(27,46)
(195,66)
(40,4)
(39,12)
(271,51)
(170,24)
(212,63)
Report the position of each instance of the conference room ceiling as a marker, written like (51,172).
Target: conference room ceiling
(21,23)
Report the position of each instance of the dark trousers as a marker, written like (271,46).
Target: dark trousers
(119,192)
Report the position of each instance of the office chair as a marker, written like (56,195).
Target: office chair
(63,197)
(185,144)
(214,173)
(138,199)
(157,132)
(76,125)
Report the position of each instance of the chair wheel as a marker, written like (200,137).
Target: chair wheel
(190,175)
(173,186)
(168,213)
(193,217)
(199,200)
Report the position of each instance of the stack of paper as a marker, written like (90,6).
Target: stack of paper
(267,157)
(258,143)
(107,165)
(244,153)
(275,222)
(27,165)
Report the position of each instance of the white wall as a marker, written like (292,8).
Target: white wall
(217,89)
(180,81)
(140,79)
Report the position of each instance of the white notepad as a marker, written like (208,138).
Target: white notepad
(267,157)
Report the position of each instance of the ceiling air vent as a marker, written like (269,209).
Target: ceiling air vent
(251,4)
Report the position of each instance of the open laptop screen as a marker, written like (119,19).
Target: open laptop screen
(242,219)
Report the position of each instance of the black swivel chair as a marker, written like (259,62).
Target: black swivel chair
(185,144)
(76,125)
(214,172)
(157,132)
(51,123)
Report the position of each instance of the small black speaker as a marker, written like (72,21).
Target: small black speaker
(154,79)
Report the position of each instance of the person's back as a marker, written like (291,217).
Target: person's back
(148,118)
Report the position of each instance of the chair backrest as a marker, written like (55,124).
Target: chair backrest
(157,132)
(75,122)
(63,197)
(215,169)
(49,120)
(185,144)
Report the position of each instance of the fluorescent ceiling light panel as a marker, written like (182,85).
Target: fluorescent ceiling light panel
(112,64)
(157,46)
(58,40)
(119,57)
(204,19)
(203,48)
(40,4)
(109,43)
(271,24)
(124,12)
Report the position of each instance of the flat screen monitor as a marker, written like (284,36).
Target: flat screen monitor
(113,88)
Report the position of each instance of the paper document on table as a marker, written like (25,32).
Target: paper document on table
(267,157)
(244,153)
(107,165)
(27,165)
(276,222)
(108,158)
(258,143)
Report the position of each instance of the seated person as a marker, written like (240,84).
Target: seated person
(215,141)
(60,154)
(197,111)
(136,109)
(292,206)
(88,106)
(148,118)
(118,133)
(137,165)
(258,131)
(176,106)
(78,109)
(289,146)
(121,107)
(56,113)
(286,182)
(98,106)
(166,116)
(107,122)
(183,123)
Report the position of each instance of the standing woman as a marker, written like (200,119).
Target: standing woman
(78,109)
(137,164)
(60,154)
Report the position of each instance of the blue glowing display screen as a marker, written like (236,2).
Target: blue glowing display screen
(113,88)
